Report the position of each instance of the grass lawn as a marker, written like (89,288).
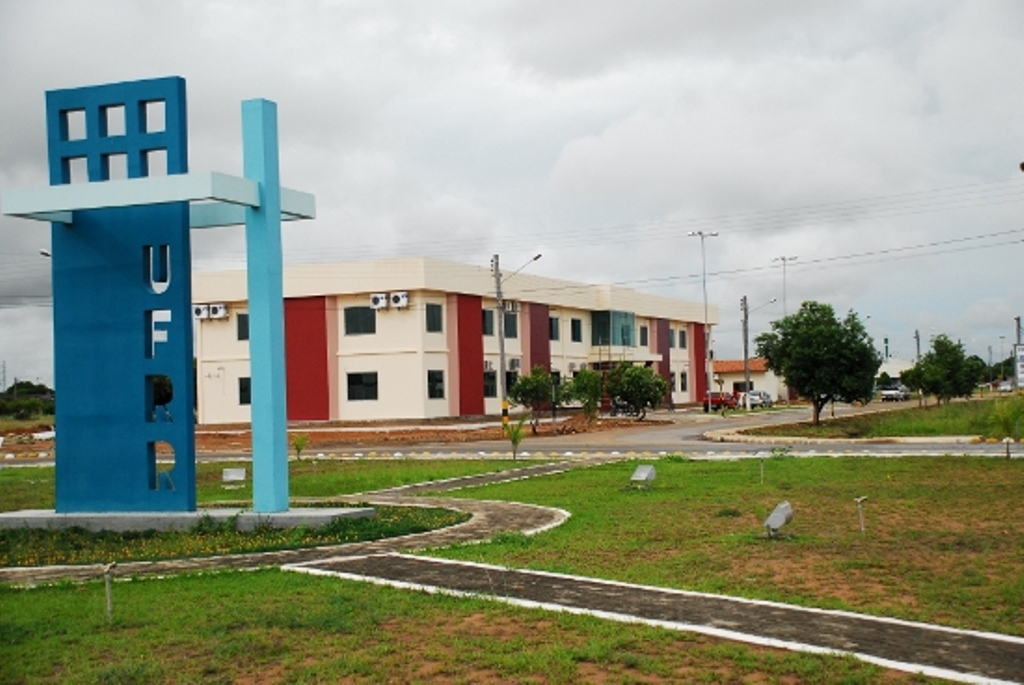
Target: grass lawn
(32,488)
(944,538)
(270,626)
(944,543)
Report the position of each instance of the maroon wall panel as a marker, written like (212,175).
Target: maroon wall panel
(540,340)
(305,344)
(698,363)
(471,356)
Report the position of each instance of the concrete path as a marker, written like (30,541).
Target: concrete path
(965,656)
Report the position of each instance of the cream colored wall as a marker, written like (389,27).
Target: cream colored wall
(400,352)
(221,359)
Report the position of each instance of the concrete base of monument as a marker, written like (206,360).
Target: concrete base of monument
(245,519)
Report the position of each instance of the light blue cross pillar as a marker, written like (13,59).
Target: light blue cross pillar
(266,309)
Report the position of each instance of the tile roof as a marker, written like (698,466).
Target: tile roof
(757,365)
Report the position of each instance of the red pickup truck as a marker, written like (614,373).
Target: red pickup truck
(719,400)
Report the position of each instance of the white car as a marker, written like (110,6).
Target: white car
(758,398)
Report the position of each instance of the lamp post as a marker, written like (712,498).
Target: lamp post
(500,314)
(1002,359)
(784,260)
(704,285)
(745,307)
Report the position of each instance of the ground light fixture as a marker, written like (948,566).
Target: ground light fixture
(782,515)
(860,510)
(643,476)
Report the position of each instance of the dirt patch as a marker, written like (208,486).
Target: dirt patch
(344,436)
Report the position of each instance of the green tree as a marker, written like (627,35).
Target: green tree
(914,380)
(884,380)
(823,358)
(586,387)
(946,372)
(639,386)
(536,391)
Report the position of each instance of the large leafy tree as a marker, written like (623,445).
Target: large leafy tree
(822,357)
(638,386)
(945,371)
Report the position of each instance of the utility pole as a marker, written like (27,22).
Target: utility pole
(500,316)
(784,260)
(917,340)
(745,307)
(707,329)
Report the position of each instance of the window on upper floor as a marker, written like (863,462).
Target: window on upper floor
(435,323)
(682,339)
(576,330)
(360,321)
(613,328)
(643,336)
(488,321)
(671,338)
(511,325)
(242,325)
(554,324)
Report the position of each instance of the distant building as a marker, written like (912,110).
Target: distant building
(416,338)
(730,373)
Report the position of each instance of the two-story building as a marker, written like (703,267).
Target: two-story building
(416,338)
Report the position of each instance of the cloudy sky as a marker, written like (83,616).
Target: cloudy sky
(877,143)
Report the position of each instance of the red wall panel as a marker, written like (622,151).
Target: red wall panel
(540,340)
(471,355)
(698,363)
(305,344)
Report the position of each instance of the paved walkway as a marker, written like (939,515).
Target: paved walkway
(966,656)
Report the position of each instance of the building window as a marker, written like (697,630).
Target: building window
(244,391)
(556,378)
(435,385)
(671,337)
(612,328)
(242,320)
(553,327)
(434,318)
(362,386)
(510,379)
(576,332)
(360,321)
(643,336)
(682,339)
(682,381)
(672,382)
(488,321)
(511,325)
(490,383)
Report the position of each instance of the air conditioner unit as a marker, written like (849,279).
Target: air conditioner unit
(572,366)
(201,311)
(511,306)
(488,365)
(378,301)
(513,364)
(400,299)
(583,366)
(218,311)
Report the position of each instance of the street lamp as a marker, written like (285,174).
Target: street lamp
(704,284)
(784,260)
(746,337)
(498,280)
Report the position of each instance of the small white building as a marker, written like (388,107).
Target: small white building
(416,338)
(730,373)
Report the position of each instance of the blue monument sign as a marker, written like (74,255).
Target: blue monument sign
(122,292)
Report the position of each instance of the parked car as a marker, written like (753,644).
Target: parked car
(719,400)
(758,398)
(1006,386)
(895,393)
